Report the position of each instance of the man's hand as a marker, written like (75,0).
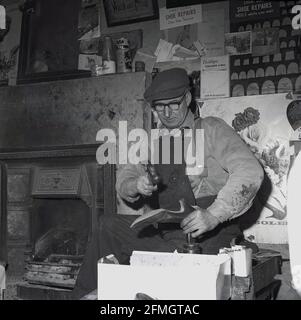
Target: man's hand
(199,222)
(145,187)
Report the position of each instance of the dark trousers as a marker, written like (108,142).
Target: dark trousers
(114,236)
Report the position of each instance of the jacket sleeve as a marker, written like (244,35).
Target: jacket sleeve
(245,171)
(126,181)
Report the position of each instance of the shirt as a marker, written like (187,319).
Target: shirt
(231,172)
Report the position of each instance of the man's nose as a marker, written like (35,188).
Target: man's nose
(166,111)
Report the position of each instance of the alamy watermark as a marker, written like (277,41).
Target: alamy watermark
(296,21)
(2,18)
(137,146)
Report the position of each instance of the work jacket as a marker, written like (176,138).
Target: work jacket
(230,171)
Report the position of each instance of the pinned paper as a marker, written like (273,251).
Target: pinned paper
(201,48)
(238,43)
(163,51)
(211,33)
(215,77)
(184,53)
(182,16)
(166,51)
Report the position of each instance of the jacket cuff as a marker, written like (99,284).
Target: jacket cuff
(219,212)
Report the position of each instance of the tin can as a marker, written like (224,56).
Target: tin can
(123,56)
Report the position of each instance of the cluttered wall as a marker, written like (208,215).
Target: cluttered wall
(243,58)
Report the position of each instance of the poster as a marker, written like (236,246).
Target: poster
(238,43)
(215,77)
(267,134)
(177,17)
(211,33)
(247,10)
(265,42)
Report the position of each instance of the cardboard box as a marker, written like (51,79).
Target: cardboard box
(167,276)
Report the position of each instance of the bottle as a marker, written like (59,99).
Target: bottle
(123,56)
(108,57)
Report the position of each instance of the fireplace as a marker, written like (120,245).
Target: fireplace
(55,197)
(61,225)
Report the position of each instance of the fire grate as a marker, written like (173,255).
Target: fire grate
(56,271)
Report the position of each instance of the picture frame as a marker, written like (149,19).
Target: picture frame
(42,60)
(121,12)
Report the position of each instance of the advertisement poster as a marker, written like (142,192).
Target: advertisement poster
(211,33)
(267,134)
(215,78)
(265,42)
(238,43)
(177,17)
(246,10)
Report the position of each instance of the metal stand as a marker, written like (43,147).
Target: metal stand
(191,246)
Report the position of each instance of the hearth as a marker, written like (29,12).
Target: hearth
(61,221)
(61,192)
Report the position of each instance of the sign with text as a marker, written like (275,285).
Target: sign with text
(246,10)
(215,78)
(176,17)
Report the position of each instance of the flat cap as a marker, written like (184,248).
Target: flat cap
(167,84)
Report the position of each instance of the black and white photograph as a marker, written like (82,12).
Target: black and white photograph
(265,42)
(238,43)
(144,163)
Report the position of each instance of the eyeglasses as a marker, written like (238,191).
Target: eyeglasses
(173,105)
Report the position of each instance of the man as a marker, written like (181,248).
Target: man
(223,191)
(293,202)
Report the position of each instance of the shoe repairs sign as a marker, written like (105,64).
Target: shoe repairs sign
(177,17)
(246,10)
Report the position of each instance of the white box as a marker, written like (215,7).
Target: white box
(184,277)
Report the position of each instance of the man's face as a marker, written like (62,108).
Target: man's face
(172,112)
